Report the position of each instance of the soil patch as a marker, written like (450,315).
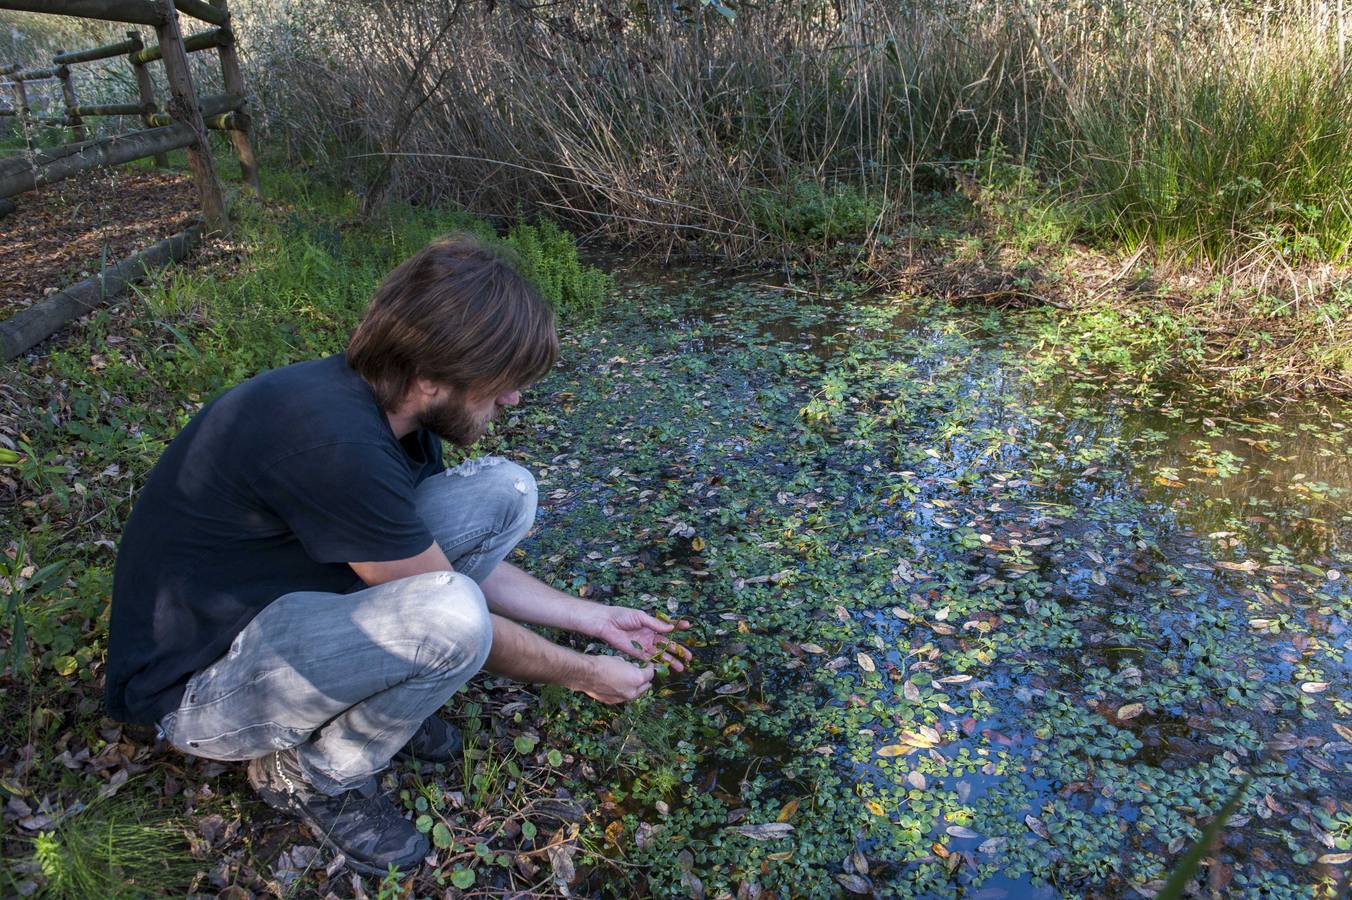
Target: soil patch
(64,232)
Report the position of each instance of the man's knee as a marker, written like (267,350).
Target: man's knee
(447,616)
(505,486)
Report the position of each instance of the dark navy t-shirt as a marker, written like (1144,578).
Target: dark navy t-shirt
(274,487)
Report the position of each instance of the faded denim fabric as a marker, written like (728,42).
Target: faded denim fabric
(348,678)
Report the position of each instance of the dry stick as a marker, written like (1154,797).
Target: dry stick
(183,107)
(30,326)
(240,128)
(555,176)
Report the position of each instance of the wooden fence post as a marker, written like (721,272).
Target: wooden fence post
(77,129)
(146,88)
(234,84)
(183,107)
(21,109)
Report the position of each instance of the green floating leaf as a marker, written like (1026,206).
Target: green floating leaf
(1187,868)
(423,823)
(462,878)
(441,836)
(555,758)
(525,743)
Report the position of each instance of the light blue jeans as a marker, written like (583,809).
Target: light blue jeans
(348,678)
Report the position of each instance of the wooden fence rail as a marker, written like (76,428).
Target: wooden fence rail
(183,123)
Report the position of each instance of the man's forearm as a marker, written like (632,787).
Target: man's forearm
(520,653)
(517,595)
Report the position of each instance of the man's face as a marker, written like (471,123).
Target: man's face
(462,417)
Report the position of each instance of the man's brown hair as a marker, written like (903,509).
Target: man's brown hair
(456,312)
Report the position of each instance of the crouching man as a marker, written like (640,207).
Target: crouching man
(303,585)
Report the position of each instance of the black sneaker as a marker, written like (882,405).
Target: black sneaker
(435,741)
(362,823)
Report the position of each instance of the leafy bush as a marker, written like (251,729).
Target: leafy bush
(548,256)
(808,212)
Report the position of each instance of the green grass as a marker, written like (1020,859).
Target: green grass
(115,849)
(1226,151)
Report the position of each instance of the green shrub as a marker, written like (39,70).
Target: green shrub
(548,256)
(807,211)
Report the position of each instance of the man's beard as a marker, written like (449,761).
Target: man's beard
(453,422)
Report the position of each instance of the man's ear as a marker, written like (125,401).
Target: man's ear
(425,390)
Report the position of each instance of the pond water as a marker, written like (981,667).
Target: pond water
(968,622)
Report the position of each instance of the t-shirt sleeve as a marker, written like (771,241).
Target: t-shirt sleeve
(346,502)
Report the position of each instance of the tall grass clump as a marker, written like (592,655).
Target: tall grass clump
(113,849)
(1207,129)
(1238,143)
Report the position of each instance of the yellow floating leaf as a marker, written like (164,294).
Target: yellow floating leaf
(894,750)
(614,831)
(697,544)
(1130,710)
(1344,731)
(812,648)
(876,808)
(789,809)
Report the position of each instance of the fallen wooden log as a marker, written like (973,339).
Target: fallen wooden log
(29,327)
(109,151)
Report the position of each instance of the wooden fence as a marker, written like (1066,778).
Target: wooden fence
(182,123)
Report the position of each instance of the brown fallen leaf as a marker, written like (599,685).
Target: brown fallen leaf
(1036,826)
(1130,710)
(766,831)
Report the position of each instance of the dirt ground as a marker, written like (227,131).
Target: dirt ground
(62,233)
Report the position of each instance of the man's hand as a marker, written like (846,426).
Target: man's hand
(640,635)
(610,679)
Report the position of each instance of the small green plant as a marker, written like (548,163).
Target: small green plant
(24,583)
(808,212)
(548,256)
(115,849)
